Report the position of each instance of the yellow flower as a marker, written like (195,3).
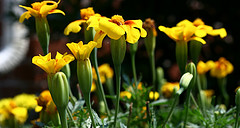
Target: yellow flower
(105,71)
(40,10)
(203,30)
(202,67)
(51,108)
(80,51)
(167,89)
(125,94)
(139,86)
(51,66)
(26,100)
(154,95)
(184,31)
(93,88)
(20,114)
(116,27)
(208,93)
(221,68)
(44,98)
(74,26)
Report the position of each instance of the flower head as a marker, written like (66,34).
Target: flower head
(25,100)
(221,68)
(117,27)
(105,71)
(81,51)
(40,10)
(153,95)
(202,67)
(184,31)
(125,94)
(74,26)
(51,66)
(167,89)
(149,25)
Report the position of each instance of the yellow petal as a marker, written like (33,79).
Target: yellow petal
(133,34)
(188,32)
(222,32)
(73,27)
(73,48)
(138,24)
(184,23)
(113,30)
(200,33)
(56,11)
(47,7)
(99,36)
(32,11)
(199,39)
(25,15)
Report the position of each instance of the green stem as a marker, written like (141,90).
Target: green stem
(171,110)
(88,103)
(99,83)
(153,70)
(222,85)
(63,117)
(200,83)
(187,106)
(236,121)
(118,83)
(129,116)
(134,69)
(70,117)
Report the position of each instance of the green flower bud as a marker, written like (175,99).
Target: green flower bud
(43,33)
(60,90)
(66,70)
(118,50)
(84,73)
(185,80)
(191,68)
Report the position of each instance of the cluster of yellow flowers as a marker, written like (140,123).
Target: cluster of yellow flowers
(16,109)
(218,69)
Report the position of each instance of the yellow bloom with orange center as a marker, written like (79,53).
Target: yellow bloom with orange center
(40,10)
(45,103)
(203,68)
(105,71)
(221,68)
(153,95)
(74,26)
(167,89)
(81,51)
(116,27)
(125,94)
(183,32)
(51,66)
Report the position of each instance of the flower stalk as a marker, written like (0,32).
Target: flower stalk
(118,49)
(181,55)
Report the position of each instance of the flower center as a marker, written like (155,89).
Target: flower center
(117,19)
(86,13)
(37,6)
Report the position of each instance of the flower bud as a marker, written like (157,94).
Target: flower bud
(118,50)
(66,70)
(84,73)
(60,90)
(191,68)
(237,100)
(185,80)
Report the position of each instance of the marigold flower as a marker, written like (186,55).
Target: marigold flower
(125,94)
(167,89)
(202,67)
(184,31)
(208,93)
(105,71)
(153,95)
(51,66)
(20,114)
(221,68)
(81,51)
(116,27)
(26,100)
(74,26)
(40,10)
(149,25)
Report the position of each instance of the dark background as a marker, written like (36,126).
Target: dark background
(165,12)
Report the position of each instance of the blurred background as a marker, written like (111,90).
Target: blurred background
(19,43)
